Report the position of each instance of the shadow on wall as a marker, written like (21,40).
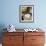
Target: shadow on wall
(2,26)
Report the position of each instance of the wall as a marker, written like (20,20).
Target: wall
(10,13)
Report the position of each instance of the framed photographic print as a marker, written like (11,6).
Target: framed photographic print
(26,13)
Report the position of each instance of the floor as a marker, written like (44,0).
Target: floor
(1,45)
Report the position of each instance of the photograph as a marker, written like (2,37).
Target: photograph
(26,13)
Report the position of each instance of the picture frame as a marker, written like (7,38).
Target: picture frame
(26,13)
